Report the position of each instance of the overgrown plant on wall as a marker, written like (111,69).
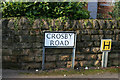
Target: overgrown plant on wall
(54,10)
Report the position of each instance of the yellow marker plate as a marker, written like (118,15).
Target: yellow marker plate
(106,44)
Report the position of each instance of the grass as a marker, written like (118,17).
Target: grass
(73,72)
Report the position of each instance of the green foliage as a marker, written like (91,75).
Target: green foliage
(54,10)
(116,11)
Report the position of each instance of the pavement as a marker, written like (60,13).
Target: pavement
(7,73)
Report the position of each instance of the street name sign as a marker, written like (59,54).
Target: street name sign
(59,39)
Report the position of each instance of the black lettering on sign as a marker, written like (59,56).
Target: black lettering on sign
(108,45)
(53,36)
(66,42)
(70,35)
(61,43)
(58,36)
(48,36)
(51,42)
(57,42)
(66,36)
(62,37)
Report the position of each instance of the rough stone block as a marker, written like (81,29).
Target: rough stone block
(26,45)
(39,38)
(86,37)
(95,49)
(97,43)
(96,24)
(51,58)
(97,63)
(81,23)
(85,49)
(119,37)
(17,45)
(91,57)
(94,32)
(114,56)
(116,31)
(7,38)
(97,37)
(86,31)
(61,64)
(6,52)
(110,37)
(102,24)
(37,52)
(108,32)
(27,59)
(84,44)
(82,50)
(101,32)
(35,32)
(116,49)
(36,24)
(69,64)
(114,62)
(64,57)
(79,45)
(37,45)
(33,39)
(114,24)
(7,45)
(80,57)
(9,58)
(4,23)
(27,52)
(88,24)
(108,24)
(50,65)
(45,25)
(59,51)
(59,24)
(82,63)
(11,24)
(28,66)
(117,62)
(24,38)
(22,32)
(16,52)
(78,37)
(74,24)
(115,43)
(77,24)
(11,65)
(24,23)
(99,57)
(38,59)
(17,39)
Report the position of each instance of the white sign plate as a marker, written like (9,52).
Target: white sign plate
(60,39)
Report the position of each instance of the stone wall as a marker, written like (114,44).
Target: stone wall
(22,43)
